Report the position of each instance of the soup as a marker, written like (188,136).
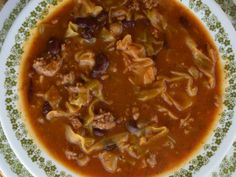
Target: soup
(121,88)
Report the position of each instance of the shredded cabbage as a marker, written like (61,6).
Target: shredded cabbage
(205,64)
(109,161)
(72,30)
(88,8)
(156,19)
(83,142)
(118,139)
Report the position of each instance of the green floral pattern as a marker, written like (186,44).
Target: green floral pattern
(227,167)
(229,8)
(11,76)
(48,166)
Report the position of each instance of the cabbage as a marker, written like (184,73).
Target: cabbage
(190,89)
(72,30)
(116,29)
(88,8)
(89,118)
(146,95)
(53,97)
(72,108)
(118,139)
(167,111)
(135,151)
(82,98)
(156,19)
(96,88)
(85,59)
(142,68)
(109,161)
(152,133)
(83,160)
(74,138)
(184,103)
(205,64)
(106,35)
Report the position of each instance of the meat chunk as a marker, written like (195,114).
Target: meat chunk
(104,121)
(70,155)
(151,160)
(101,65)
(68,78)
(42,67)
(142,68)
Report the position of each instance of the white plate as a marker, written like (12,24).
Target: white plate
(39,164)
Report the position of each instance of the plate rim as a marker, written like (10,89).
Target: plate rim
(211,9)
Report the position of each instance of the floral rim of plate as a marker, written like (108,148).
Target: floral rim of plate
(49,168)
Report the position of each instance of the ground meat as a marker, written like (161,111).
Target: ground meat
(75,122)
(42,67)
(104,121)
(71,155)
(151,160)
(150,4)
(68,78)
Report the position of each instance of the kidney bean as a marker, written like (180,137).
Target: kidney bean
(132,126)
(46,108)
(99,132)
(128,24)
(101,65)
(102,18)
(89,26)
(54,46)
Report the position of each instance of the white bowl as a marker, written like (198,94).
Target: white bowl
(40,163)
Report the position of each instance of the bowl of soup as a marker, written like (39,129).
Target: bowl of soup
(119,88)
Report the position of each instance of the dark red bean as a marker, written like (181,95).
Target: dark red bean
(87,22)
(54,46)
(87,33)
(89,26)
(132,126)
(110,146)
(101,65)
(102,18)
(99,132)
(128,24)
(46,108)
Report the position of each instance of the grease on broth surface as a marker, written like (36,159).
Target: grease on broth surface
(121,88)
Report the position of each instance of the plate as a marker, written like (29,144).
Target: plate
(40,164)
